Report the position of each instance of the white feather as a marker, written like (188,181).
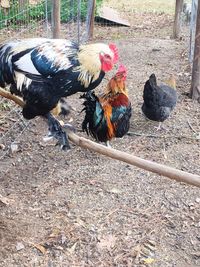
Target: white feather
(58,53)
(21,80)
(25,64)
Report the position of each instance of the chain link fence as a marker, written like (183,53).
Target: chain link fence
(24,18)
(33,18)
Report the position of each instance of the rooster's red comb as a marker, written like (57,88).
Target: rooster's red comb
(122,71)
(113,47)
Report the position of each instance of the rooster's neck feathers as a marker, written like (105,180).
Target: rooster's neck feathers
(116,86)
(171,82)
(90,64)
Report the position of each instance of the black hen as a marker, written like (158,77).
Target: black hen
(159,101)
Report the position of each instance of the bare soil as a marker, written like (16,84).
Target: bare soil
(78,208)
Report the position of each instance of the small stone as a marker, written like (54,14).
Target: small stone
(14,148)
(115,191)
(63,239)
(197,200)
(2,146)
(19,246)
(198,224)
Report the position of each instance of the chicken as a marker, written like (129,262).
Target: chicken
(42,71)
(159,101)
(108,116)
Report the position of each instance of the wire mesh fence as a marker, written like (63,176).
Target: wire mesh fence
(28,18)
(33,18)
(24,18)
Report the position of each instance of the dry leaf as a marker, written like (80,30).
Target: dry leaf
(107,242)
(2,146)
(80,222)
(72,249)
(5,200)
(149,261)
(55,232)
(40,248)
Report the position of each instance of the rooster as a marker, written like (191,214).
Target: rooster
(42,71)
(159,101)
(108,116)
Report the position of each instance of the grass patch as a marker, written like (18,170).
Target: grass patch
(155,6)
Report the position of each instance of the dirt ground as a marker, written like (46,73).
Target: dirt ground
(78,208)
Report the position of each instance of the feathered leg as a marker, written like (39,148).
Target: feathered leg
(108,144)
(57,132)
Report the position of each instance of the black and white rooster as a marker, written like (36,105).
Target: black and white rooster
(42,71)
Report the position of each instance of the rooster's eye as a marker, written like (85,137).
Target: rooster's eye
(107,57)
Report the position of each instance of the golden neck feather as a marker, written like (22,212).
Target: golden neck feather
(171,81)
(116,86)
(90,65)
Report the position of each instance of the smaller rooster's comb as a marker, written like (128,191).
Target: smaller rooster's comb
(113,47)
(122,69)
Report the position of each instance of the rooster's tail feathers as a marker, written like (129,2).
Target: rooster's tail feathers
(6,72)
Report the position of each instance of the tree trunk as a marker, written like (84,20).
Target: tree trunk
(56,19)
(195,88)
(193,28)
(177,20)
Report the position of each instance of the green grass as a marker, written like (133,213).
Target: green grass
(155,6)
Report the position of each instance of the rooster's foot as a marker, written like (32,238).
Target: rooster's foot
(56,131)
(160,127)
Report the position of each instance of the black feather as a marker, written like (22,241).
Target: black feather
(159,101)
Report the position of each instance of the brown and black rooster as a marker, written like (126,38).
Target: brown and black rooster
(108,116)
(42,71)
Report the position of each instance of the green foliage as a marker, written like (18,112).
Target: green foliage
(34,13)
(15,16)
(69,9)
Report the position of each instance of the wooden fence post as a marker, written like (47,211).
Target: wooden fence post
(56,18)
(195,88)
(177,20)
(90,18)
(193,28)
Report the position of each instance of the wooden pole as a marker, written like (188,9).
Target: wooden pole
(177,20)
(14,98)
(195,87)
(169,172)
(78,20)
(56,19)
(154,167)
(193,28)
(91,24)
